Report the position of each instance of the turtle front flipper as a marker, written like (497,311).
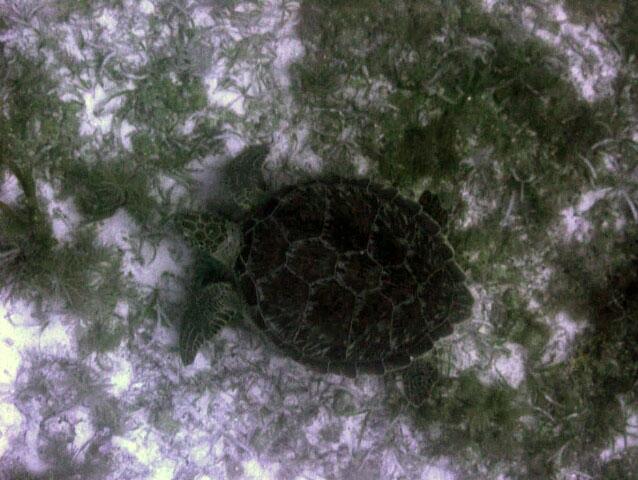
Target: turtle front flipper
(207,312)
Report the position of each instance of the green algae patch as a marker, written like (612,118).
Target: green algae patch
(38,137)
(513,321)
(474,419)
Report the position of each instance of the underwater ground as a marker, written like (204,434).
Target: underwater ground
(521,115)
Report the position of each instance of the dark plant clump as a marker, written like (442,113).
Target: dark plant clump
(514,322)
(485,79)
(36,134)
(25,233)
(160,105)
(623,467)
(50,389)
(474,417)
(612,338)
(602,285)
(100,189)
(617,17)
(579,400)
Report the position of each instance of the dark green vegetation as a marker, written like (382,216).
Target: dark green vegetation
(42,150)
(40,144)
(474,416)
(582,398)
(37,134)
(472,105)
(168,92)
(60,387)
(618,18)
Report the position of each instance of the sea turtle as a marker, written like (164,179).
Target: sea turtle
(341,274)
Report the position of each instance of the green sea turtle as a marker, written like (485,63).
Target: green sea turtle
(341,274)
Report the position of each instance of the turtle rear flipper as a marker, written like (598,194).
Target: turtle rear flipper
(207,312)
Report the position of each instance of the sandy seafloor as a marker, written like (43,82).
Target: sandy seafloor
(240,411)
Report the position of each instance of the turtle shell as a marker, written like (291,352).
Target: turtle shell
(347,276)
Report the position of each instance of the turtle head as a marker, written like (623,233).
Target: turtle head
(211,235)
